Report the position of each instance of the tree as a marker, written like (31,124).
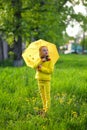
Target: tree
(84,40)
(30,20)
(17,6)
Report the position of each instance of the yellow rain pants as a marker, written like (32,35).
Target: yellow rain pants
(44,88)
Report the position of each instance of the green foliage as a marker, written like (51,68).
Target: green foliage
(20,100)
(36,19)
(84,43)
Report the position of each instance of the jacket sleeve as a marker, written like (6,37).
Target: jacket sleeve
(46,69)
(39,62)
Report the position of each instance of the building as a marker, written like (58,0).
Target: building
(71,47)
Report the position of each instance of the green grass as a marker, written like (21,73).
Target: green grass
(20,99)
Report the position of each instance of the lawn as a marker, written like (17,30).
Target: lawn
(20,99)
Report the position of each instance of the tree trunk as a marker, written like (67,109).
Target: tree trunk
(18,52)
(1,50)
(17,5)
(83,44)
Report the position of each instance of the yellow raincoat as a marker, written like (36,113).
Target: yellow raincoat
(45,71)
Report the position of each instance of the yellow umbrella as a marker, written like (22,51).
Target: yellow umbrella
(31,54)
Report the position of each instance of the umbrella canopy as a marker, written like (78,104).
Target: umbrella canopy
(31,54)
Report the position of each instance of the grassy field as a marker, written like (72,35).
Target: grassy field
(20,100)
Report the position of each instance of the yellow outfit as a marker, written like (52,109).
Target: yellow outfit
(44,76)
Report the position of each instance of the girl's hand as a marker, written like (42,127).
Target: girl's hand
(39,67)
(43,59)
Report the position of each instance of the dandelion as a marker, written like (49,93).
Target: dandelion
(34,99)
(28,115)
(36,108)
(27,99)
(69,102)
(64,94)
(74,114)
(44,127)
(58,94)
(61,100)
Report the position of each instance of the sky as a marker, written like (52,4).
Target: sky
(73,31)
(82,9)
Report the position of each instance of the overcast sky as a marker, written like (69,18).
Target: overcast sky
(73,31)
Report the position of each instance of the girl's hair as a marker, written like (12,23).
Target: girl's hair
(42,47)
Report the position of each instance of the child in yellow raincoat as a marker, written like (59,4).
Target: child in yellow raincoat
(44,68)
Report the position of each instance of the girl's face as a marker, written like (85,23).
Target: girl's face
(44,52)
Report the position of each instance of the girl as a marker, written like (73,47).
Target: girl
(44,68)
